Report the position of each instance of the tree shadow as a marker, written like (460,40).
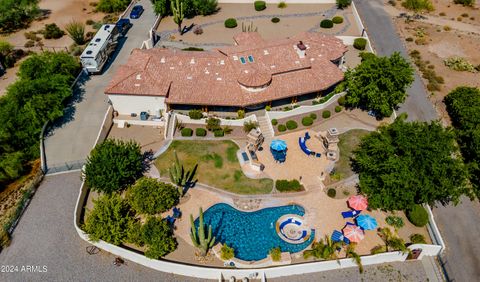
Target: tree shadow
(43,14)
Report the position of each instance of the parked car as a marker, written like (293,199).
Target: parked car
(123,25)
(136,12)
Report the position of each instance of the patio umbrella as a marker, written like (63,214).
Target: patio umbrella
(357,202)
(278,145)
(353,233)
(366,222)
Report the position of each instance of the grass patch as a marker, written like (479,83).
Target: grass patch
(208,155)
(348,142)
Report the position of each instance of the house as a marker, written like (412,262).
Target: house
(251,74)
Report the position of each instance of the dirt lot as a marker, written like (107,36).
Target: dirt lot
(293,19)
(442,43)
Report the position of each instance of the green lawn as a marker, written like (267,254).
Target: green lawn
(218,165)
(348,142)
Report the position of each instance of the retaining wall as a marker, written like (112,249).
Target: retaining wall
(230,122)
(278,1)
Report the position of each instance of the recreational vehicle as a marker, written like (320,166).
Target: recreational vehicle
(100,48)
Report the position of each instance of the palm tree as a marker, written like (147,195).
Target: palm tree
(350,253)
(392,242)
(323,249)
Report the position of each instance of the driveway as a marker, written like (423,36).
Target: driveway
(459,225)
(72,141)
(385,41)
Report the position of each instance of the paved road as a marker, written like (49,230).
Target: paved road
(459,225)
(386,41)
(74,140)
(46,236)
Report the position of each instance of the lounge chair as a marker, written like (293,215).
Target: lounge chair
(337,236)
(176,212)
(318,155)
(351,213)
(170,220)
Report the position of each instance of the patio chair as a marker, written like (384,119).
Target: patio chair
(176,212)
(351,213)
(318,155)
(337,236)
(170,220)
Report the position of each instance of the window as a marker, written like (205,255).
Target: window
(250,58)
(242,59)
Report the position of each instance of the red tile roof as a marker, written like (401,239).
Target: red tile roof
(252,72)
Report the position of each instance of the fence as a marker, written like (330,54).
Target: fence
(361,27)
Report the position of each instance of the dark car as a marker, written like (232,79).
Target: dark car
(136,12)
(123,25)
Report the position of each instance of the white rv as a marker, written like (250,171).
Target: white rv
(100,48)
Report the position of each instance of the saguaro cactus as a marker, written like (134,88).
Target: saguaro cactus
(179,176)
(198,235)
(178,15)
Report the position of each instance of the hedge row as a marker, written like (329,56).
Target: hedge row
(288,185)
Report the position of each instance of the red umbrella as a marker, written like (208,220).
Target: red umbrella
(353,233)
(358,202)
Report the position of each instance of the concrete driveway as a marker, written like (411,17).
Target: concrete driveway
(72,141)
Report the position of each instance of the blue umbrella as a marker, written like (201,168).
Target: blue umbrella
(278,145)
(366,222)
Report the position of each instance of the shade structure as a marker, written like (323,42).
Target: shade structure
(278,145)
(366,222)
(353,233)
(358,202)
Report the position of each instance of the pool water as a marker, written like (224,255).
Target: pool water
(251,234)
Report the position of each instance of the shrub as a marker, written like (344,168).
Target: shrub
(230,23)
(465,15)
(307,121)
(395,221)
(459,64)
(213,124)
(446,28)
(276,254)
(193,49)
(341,101)
(187,132)
(338,109)
(249,125)
(326,23)
(469,3)
(268,108)
(360,43)
(337,20)
(331,193)
(200,132)
(219,133)
(260,5)
(418,216)
(291,124)
(274,122)
(52,31)
(227,129)
(326,114)
(343,3)
(442,14)
(195,114)
(112,6)
(89,22)
(76,31)
(275,20)
(282,5)
(150,196)
(418,5)
(227,252)
(313,116)
(378,249)
(409,39)
(205,7)
(241,114)
(29,44)
(417,239)
(158,238)
(282,128)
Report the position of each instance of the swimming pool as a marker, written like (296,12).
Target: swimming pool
(251,234)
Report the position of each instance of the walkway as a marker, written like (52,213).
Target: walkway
(72,141)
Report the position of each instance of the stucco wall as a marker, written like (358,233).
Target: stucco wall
(127,104)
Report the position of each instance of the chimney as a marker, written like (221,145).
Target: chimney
(301,49)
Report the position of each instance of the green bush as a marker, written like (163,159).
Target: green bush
(112,6)
(307,121)
(200,132)
(288,185)
(418,216)
(219,133)
(418,5)
(52,31)
(395,221)
(417,239)
(213,124)
(260,5)
(230,23)
(158,238)
(343,3)
(227,252)
(338,109)
(313,116)
(249,125)
(360,43)
(275,20)
(282,128)
(274,122)
(291,124)
(326,114)
(326,23)
(331,193)
(195,114)
(241,114)
(337,20)
(282,5)
(276,254)
(469,3)
(15,14)
(150,196)
(341,101)
(268,108)
(187,132)
(459,64)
